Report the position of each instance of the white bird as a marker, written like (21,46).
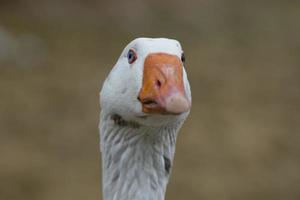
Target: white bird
(144,101)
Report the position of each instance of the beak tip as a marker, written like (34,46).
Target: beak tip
(177,104)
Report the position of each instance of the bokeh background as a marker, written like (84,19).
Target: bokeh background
(242,139)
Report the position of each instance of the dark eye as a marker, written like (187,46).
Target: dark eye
(183,57)
(131,56)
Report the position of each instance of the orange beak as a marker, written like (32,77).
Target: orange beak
(163,89)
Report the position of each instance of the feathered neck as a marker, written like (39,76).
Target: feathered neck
(136,160)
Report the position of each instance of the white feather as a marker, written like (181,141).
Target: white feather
(133,153)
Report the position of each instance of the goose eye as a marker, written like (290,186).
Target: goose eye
(183,57)
(131,56)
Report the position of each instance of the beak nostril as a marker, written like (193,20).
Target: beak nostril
(158,83)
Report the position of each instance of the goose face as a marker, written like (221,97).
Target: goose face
(148,84)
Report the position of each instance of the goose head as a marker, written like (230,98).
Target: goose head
(148,84)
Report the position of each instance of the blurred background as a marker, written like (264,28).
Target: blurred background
(242,139)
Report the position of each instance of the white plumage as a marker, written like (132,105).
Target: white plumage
(144,101)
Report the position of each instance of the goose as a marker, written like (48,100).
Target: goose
(144,101)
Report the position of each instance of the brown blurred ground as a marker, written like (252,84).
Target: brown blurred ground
(242,139)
